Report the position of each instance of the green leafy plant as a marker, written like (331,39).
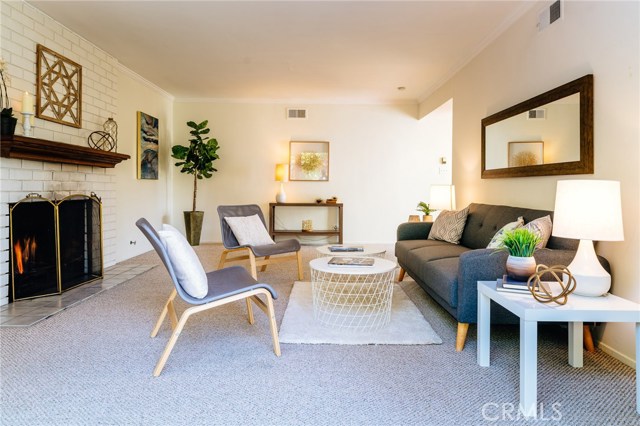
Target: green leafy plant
(520,242)
(197,158)
(424,208)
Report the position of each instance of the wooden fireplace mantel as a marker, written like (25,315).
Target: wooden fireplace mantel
(57,152)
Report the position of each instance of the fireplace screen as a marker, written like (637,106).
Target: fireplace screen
(55,245)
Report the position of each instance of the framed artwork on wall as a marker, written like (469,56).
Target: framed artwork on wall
(147,146)
(58,88)
(526,153)
(308,161)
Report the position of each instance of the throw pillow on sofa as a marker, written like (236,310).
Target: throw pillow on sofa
(449,226)
(496,241)
(541,227)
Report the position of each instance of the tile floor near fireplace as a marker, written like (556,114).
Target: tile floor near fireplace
(24,313)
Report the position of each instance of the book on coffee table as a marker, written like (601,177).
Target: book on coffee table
(351,261)
(502,284)
(340,249)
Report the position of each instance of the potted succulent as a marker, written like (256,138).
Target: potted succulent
(196,159)
(520,243)
(7,120)
(426,210)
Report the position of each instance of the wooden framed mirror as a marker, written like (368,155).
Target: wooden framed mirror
(553,133)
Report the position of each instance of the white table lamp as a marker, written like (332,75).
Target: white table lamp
(442,197)
(281,176)
(575,217)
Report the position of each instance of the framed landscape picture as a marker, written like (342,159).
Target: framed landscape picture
(147,146)
(308,161)
(526,153)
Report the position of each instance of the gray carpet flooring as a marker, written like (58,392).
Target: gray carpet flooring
(92,364)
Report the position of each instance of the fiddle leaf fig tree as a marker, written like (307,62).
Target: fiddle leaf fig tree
(197,158)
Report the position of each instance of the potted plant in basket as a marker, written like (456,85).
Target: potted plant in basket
(426,210)
(520,243)
(7,120)
(196,159)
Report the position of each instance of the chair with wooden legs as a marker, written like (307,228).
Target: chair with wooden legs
(224,286)
(258,255)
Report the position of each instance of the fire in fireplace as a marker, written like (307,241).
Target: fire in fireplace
(55,245)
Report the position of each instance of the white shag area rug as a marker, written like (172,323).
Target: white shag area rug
(407,326)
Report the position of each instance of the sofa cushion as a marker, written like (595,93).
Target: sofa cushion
(404,247)
(441,276)
(449,226)
(496,241)
(484,220)
(542,228)
(415,259)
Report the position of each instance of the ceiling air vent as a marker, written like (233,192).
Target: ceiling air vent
(296,113)
(537,114)
(550,14)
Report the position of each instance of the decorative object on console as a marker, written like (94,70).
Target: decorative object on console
(575,200)
(307,225)
(332,200)
(111,127)
(148,146)
(196,159)
(426,210)
(520,243)
(525,153)
(58,88)
(549,291)
(281,176)
(7,120)
(308,161)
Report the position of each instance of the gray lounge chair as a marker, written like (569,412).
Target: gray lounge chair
(224,286)
(257,255)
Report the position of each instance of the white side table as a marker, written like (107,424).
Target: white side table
(369,250)
(352,297)
(578,309)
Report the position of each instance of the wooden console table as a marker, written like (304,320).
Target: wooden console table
(329,232)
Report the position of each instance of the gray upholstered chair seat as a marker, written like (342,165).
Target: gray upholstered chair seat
(287,246)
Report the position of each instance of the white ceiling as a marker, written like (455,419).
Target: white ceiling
(324,51)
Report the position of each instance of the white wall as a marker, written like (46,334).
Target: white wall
(382,161)
(141,197)
(601,38)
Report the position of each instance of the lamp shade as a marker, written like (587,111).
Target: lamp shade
(588,210)
(442,197)
(281,172)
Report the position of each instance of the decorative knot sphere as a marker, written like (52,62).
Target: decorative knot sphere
(558,291)
(101,140)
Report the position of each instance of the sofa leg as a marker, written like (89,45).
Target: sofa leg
(587,338)
(463,327)
(401,275)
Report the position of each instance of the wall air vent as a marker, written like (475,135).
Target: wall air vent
(296,113)
(537,114)
(550,14)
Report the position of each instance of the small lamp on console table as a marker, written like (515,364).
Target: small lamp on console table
(573,218)
(442,197)
(281,176)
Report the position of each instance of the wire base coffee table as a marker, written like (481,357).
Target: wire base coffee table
(355,298)
(368,250)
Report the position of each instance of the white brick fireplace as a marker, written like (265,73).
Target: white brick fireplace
(27,28)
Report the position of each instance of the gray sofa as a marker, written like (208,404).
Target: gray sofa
(449,272)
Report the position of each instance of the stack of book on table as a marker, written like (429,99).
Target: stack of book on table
(510,285)
(351,261)
(339,249)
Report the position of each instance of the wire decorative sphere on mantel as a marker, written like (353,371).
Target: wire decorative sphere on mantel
(543,293)
(101,140)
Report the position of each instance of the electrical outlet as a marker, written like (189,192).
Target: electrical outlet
(443,170)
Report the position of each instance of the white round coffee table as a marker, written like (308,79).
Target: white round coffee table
(352,297)
(368,250)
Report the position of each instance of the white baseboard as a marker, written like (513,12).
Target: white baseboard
(617,355)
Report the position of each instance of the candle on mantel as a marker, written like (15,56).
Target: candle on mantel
(27,103)
(32,120)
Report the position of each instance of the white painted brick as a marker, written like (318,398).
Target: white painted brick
(44,134)
(69,168)
(11,185)
(61,176)
(52,166)
(43,176)
(12,48)
(4,174)
(13,163)
(45,33)
(23,41)
(32,165)
(36,15)
(30,186)
(70,186)
(4,267)
(25,20)
(77,177)
(85,169)
(52,186)
(4,278)
(15,196)
(20,174)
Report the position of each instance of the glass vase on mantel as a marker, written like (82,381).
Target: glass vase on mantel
(520,268)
